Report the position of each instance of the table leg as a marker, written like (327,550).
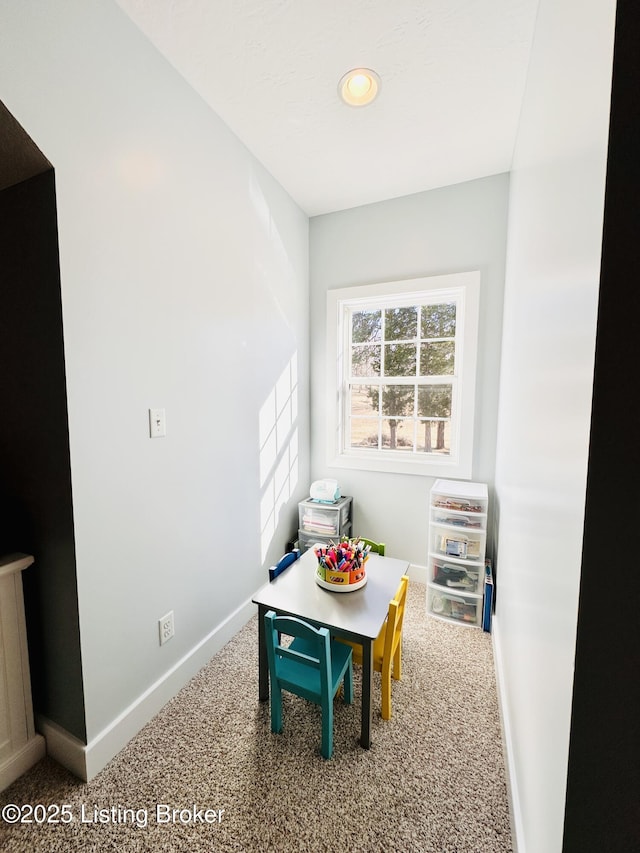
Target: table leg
(367,682)
(263,663)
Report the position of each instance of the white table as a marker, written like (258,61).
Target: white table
(356,615)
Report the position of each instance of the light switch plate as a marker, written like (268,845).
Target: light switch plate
(157,423)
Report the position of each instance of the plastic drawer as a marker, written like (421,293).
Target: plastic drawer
(306,540)
(454,497)
(324,519)
(456,578)
(458,544)
(458,520)
(454,607)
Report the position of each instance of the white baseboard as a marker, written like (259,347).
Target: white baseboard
(87,760)
(515,811)
(64,747)
(418,573)
(21,761)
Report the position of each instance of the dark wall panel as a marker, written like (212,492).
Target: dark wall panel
(36,513)
(603,783)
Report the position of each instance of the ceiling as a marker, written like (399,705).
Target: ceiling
(453,75)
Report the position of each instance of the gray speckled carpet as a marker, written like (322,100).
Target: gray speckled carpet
(433,781)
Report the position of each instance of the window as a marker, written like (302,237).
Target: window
(402,375)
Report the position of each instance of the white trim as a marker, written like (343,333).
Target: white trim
(515,811)
(21,761)
(86,761)
(418,573)
(466,285)
(64,747)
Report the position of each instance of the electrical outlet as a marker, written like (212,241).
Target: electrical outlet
(165,627)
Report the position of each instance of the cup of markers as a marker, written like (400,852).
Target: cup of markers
(341,565)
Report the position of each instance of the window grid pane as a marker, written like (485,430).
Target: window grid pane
(415,346)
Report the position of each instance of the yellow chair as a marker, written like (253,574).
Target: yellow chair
(387,646)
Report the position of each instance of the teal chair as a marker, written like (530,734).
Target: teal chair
(312,666)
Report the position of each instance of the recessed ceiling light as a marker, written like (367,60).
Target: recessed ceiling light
(359,87)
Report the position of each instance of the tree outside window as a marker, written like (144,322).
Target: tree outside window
(401,362)
(400,358)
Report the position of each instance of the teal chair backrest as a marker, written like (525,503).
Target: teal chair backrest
(311,666)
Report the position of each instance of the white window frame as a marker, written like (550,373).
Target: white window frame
(464,287)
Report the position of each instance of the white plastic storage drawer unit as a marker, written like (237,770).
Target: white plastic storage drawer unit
(457,550)
(323,518)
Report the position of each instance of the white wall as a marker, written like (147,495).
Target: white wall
(457,228)
(184,272)
(553,259)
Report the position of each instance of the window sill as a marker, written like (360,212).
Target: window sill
(399,463)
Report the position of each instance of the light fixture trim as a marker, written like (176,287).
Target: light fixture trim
(359,87)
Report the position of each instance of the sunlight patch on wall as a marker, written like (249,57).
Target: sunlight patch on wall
(278,433)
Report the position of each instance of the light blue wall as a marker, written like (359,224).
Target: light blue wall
(184,271)
(457,228)
(551,297)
